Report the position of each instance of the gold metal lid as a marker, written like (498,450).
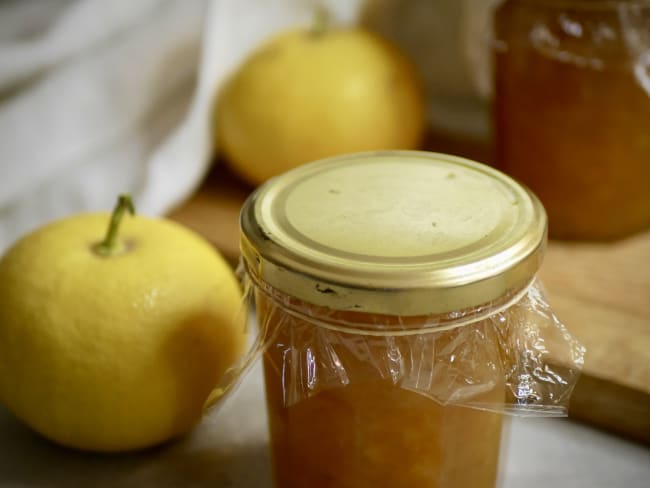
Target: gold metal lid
(393,232)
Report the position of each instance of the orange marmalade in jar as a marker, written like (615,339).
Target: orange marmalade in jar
(396,295)
(572,111)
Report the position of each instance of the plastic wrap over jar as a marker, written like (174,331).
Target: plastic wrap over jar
(509,356)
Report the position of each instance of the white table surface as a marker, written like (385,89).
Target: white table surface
(230,449)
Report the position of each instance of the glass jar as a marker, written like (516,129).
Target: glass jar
(572,108)
(395,293)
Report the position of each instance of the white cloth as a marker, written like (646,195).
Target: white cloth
(99,98)
(93,98)
(110,97)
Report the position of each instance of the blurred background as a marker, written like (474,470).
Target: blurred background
(98,98)
(102,97)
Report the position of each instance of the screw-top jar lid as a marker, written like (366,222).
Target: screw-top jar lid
(395,232)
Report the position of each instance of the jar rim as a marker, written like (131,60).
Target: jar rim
(383,325)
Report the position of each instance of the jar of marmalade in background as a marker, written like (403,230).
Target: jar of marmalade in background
(572,110)
(396,296)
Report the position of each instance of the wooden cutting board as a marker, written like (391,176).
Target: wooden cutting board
(601,291)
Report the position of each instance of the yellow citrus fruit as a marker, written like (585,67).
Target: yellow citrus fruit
(113,352)
(306,95)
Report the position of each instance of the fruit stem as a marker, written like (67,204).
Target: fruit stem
(110,245)
(320,22)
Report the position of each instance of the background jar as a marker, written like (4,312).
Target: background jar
(572,110)
(395,295)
